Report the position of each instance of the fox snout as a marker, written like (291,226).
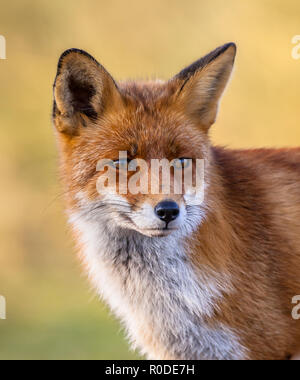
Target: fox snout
(159,216)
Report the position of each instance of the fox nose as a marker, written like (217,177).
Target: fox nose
(167,211)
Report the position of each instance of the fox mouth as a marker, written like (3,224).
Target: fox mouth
(152,232)
(162,231)
(157,232)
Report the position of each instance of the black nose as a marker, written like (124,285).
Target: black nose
(167,211)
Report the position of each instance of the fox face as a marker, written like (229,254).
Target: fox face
(132,126)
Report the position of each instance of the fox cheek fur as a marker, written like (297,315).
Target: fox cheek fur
(219,284)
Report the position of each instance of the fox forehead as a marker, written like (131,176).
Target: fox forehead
(147,127)
(147,92)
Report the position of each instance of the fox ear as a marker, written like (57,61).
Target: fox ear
(83,90)
(201,85)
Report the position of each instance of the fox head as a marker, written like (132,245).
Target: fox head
(97,118)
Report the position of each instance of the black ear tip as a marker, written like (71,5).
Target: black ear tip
(223,49)
(232,45)
(73,51)
(229,45)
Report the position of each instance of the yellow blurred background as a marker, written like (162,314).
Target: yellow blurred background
(51,312)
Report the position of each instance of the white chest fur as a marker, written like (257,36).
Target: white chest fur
(153,288)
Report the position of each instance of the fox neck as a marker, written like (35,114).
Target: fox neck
(154,287)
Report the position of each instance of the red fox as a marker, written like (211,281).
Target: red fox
(209,280)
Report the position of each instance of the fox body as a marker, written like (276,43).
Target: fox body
(190,281)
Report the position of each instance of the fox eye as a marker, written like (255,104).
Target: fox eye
(182,163)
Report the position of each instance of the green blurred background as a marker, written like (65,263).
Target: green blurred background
(51,312)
